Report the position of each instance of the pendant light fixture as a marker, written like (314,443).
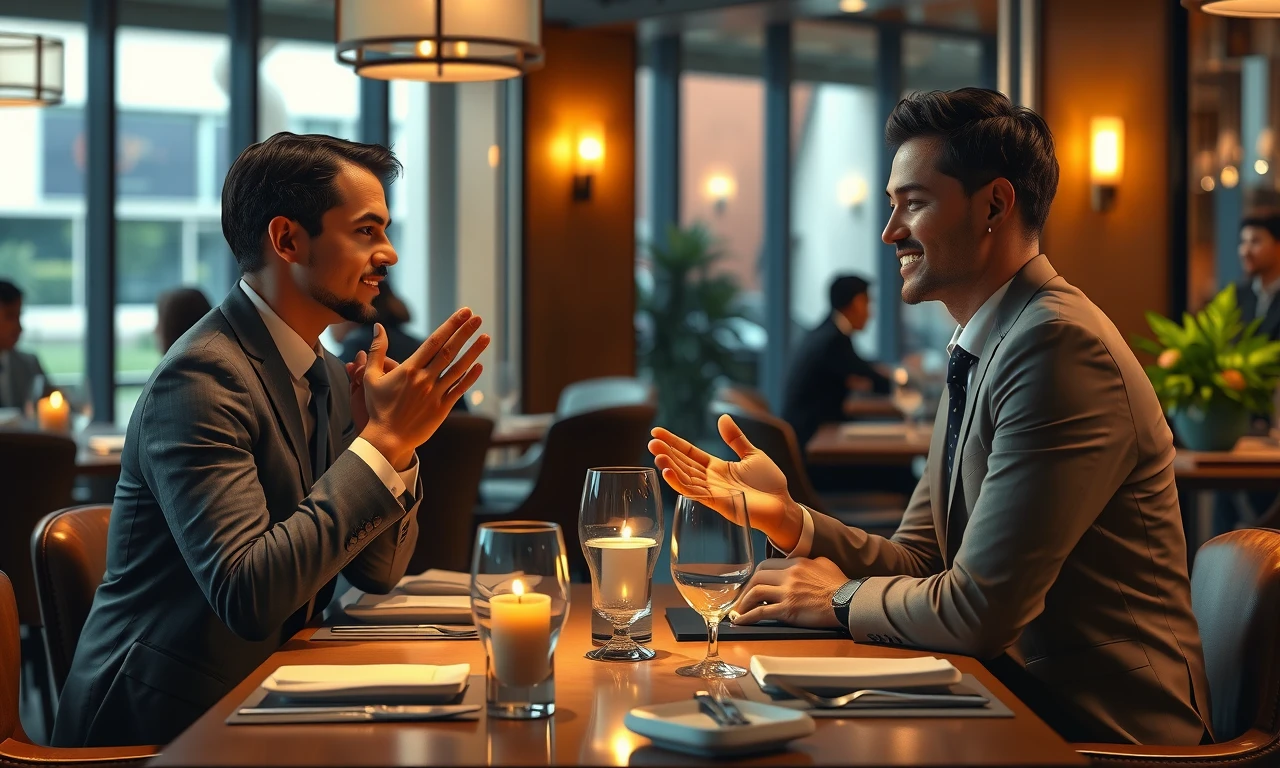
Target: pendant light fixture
(1248,9)
(31,70)
(446,41)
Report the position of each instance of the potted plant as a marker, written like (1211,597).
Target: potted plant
(1212,373)
(685,326)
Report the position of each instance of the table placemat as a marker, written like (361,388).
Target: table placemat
(688,625)
(968,684)
(327,633)
(262,698)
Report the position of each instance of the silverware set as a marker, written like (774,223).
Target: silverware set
(406,630)
(872,697)
(721,709)
(363,713)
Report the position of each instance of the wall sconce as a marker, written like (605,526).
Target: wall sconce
(1248,9)
(852,192)
(720,189)
(31,70)
(1107,160)
(588,158)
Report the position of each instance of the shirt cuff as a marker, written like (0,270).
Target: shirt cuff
(806,536)
(397,482)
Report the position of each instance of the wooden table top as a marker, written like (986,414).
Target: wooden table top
(591,700)
(868,443)
(520,431)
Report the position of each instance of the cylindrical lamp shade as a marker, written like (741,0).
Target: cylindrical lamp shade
(1248,9)
(31,70)
(449,41)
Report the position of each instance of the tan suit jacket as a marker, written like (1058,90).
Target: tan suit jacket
(1061,558)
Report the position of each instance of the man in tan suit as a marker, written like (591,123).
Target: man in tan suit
(1045,536)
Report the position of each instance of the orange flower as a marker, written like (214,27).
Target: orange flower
(1234,379)
(1169,358)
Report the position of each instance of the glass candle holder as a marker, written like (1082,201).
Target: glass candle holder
(520,601)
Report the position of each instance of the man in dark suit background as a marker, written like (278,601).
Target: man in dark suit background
(254,472)
(19,371)
(825,369)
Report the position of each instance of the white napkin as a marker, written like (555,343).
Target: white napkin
(383,682)
(407,609)
(106,444)
(440,582)
(851,674)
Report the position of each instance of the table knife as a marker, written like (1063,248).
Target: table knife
(368,712)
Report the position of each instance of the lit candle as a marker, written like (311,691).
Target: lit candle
(624,569)
(521,636)
(53,413)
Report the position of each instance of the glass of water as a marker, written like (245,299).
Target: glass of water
(711,561)
(620,529)
(907,398)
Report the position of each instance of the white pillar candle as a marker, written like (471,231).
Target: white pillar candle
(520,636)
(53,413)
(624,569)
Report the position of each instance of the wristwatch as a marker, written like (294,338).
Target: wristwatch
(841,599)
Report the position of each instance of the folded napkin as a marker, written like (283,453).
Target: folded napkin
(851,674)
(383,683)
(439,582)
(106,444)
(407,609)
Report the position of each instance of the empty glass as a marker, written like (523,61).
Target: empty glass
(711,561)
(620,528)
(907,398)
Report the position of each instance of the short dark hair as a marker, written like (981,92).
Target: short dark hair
(985,137)
(1268,219)
(846,288)
(292,176)
(10,293)
(176,311)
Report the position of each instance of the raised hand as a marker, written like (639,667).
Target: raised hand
(692,471)
(355,373)
(406,403)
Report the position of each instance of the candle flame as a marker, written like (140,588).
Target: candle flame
(517,587)
(626,531)
(55,399)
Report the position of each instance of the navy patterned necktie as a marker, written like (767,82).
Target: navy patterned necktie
(957,387)
(318,377)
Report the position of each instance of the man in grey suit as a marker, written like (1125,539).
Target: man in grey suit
(253,471)
(1044,537)
(20,372)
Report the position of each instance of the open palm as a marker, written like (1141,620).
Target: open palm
(692,471)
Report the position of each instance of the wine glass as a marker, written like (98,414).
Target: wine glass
(907,398)
(711,561)
(620,528)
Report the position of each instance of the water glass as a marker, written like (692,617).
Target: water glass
(620,529)
(520,601)
(711,562)
(907,397)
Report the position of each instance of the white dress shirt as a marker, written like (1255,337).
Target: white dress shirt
(972,338)
(298,357)
(1266,294)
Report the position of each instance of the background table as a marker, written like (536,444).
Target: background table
(591,700)
(868,443)
(1252,466)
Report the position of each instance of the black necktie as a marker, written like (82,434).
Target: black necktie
(318,378)
(957,386)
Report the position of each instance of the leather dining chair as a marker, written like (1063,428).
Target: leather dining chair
(1235,594)
(450,466)
(69,550)
(16,749)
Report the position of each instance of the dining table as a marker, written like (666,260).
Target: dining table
(873,442)
(592,700)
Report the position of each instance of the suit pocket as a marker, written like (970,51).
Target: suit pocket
(157,696)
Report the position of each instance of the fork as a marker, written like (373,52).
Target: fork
(890,698)
(403,629)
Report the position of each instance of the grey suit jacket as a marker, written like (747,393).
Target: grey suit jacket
(219,537)
(1061,558)
(24,367)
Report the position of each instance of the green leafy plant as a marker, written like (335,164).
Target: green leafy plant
(686,326)
(1212,358)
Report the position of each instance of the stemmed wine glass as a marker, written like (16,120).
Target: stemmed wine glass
(907,398)
(620,528)
(711,561)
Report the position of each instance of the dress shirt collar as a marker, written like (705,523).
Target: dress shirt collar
(298,355)
(972,338)
(842,323)
(1269,290)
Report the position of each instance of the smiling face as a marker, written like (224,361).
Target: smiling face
(344,264)
(936,227)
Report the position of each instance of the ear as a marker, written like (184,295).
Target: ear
(288,239)
(1000,200)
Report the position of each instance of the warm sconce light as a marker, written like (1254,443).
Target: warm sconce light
(31,70)
(852,191)
(1208,184)
(720,189)
(1249,9)
(588,159)
(1230,176)
(1261,167)
(1106,168)
(853,6)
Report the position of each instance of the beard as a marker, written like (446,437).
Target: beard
(351,310)
(946,265)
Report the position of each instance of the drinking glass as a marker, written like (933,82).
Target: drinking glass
(711,561)
(620,528)
(520,600)
(907,398)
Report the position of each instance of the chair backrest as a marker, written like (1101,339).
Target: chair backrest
(69,549)
(450,466)
(10,663)
(1235,594)
(748,399)
(608,437)
(778,440)
(37,472)
(604,392)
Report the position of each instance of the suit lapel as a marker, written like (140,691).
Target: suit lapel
(269,365)
(1271,323)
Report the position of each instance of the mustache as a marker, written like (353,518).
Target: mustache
(909,245)
(379,271)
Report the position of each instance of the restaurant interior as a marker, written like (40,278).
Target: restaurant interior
(657,207)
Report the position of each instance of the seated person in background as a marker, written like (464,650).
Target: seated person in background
(1044,538)
(20,372)
(176,311)
(825,369)
(256,469)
